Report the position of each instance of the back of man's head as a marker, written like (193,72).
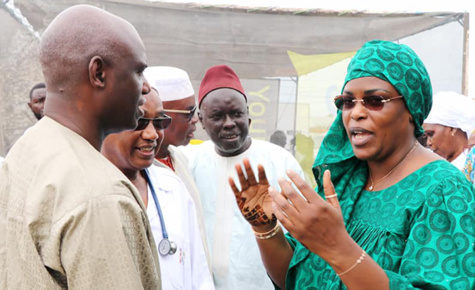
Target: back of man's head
(70,40)
(92,62)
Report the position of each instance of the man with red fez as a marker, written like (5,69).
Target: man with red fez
(178,97)
(235,258)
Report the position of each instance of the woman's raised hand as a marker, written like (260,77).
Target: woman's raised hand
(253,199)
(316,223)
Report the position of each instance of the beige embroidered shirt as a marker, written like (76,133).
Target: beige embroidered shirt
(70,219)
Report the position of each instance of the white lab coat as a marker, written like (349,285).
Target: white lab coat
(188,267)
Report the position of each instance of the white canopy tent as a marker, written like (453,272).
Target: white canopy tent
(269,48)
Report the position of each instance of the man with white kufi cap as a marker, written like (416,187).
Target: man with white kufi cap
(178,97)
(448,126)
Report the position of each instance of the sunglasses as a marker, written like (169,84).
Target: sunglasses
(158,123)
(373,103)
(188,113)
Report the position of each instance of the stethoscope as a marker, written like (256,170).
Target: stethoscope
(165,247)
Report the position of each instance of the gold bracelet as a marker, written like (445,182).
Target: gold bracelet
(267,235)
(360,259)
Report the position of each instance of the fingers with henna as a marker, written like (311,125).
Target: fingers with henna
(262,174)
(251,178)
(242,178)
(237,193)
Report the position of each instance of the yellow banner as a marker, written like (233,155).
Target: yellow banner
(305,64)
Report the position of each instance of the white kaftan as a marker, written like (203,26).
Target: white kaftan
(236,261)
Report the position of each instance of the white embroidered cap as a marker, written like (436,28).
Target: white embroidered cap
(452,110)
(171,83)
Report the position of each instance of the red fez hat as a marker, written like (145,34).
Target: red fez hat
(217,77)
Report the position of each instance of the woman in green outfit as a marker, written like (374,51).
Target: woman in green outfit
(391,215)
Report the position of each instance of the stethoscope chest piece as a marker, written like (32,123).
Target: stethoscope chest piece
(166,247)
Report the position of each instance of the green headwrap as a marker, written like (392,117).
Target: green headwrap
(402,68)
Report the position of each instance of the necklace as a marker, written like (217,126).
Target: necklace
(392,170)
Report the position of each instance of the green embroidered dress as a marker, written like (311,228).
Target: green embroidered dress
(421,231)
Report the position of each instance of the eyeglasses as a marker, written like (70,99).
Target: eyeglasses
(158,123)
(190,113)
(374,103)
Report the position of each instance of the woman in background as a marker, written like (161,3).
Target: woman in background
(449,125)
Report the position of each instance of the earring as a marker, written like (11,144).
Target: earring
(453,133)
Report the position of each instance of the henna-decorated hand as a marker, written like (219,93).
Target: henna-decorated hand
(253,200)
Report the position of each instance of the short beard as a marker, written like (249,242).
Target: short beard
(38,116)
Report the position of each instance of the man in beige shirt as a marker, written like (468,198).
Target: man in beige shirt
(68,217)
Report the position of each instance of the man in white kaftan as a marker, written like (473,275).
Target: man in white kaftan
(235,257)
(187,268)
(236,261)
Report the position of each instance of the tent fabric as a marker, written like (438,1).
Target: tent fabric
(255,43)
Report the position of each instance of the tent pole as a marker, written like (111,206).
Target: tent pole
(465,66)
(295,115)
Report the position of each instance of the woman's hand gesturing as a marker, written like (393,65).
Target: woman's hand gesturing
(315,222)
(253,199)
